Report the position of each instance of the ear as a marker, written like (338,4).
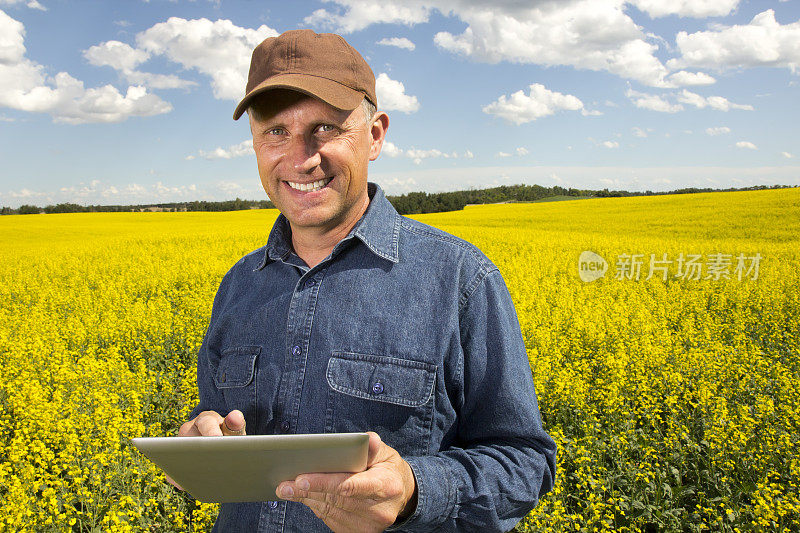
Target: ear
(380,123)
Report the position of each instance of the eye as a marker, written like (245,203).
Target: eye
(326,128)
(274,131)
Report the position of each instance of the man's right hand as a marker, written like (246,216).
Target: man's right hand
(211,424)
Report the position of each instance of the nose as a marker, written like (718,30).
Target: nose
(304,155)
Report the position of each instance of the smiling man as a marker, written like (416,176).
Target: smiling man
(353,318)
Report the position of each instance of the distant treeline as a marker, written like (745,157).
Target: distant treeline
(406,204)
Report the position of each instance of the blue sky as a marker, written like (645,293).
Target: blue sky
(132,102)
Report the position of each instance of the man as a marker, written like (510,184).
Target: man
(353,318)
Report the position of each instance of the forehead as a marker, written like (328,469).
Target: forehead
(281,103)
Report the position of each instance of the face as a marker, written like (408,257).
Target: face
(313,158)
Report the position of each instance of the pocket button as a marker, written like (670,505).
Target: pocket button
(377,388)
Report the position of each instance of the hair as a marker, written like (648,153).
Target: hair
(369,110)
(257,111)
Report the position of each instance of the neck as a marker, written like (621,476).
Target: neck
(313,244)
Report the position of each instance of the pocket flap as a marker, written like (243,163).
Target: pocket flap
(236,367)
(381,378)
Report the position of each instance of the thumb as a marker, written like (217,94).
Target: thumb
(234,423)
(378,450)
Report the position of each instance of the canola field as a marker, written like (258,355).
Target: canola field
(671,383)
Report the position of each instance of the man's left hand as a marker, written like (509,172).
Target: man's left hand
(368,501)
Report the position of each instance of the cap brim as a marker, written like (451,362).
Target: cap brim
(329,91)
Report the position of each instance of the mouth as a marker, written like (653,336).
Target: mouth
(309,187)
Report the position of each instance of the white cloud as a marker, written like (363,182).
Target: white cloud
(115,54)
(469,155)
(392,96)
(219,49)
(540,102)
(101,192)
(762,42)
(720,130)
(746,144)
(586,34)
(26,193)
(237,150)
(684,78)
(652,102)
(12,40)
(639,132)
(519,152)
(355,15)
(25,86)
(656,178)
(399,42)
(663,104)
(125,59)
(686,8)
(714,102)
(389,149)
(33,4)
(418,155)
(787,155)
(610,144)
(158,81)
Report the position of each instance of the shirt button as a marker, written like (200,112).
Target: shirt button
(222,378)
(273,504)
(311,282)
(296,350)
(285,426)
(377,388)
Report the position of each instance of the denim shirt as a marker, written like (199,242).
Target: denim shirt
(404,330)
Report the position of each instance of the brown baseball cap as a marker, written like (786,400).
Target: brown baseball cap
(322,65)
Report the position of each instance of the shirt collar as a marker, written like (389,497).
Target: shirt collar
(378,228)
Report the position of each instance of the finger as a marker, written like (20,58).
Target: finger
(189,429)
(209,423)
(340,518)
(306,485)
(351,492)
(234,423)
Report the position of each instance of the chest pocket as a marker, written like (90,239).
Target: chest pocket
(235,377)
(390,396)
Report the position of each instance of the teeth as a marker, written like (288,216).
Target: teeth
(315,186)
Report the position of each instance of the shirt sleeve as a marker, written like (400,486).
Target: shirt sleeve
(504,461)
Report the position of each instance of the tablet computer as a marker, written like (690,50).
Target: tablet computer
(249,468)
